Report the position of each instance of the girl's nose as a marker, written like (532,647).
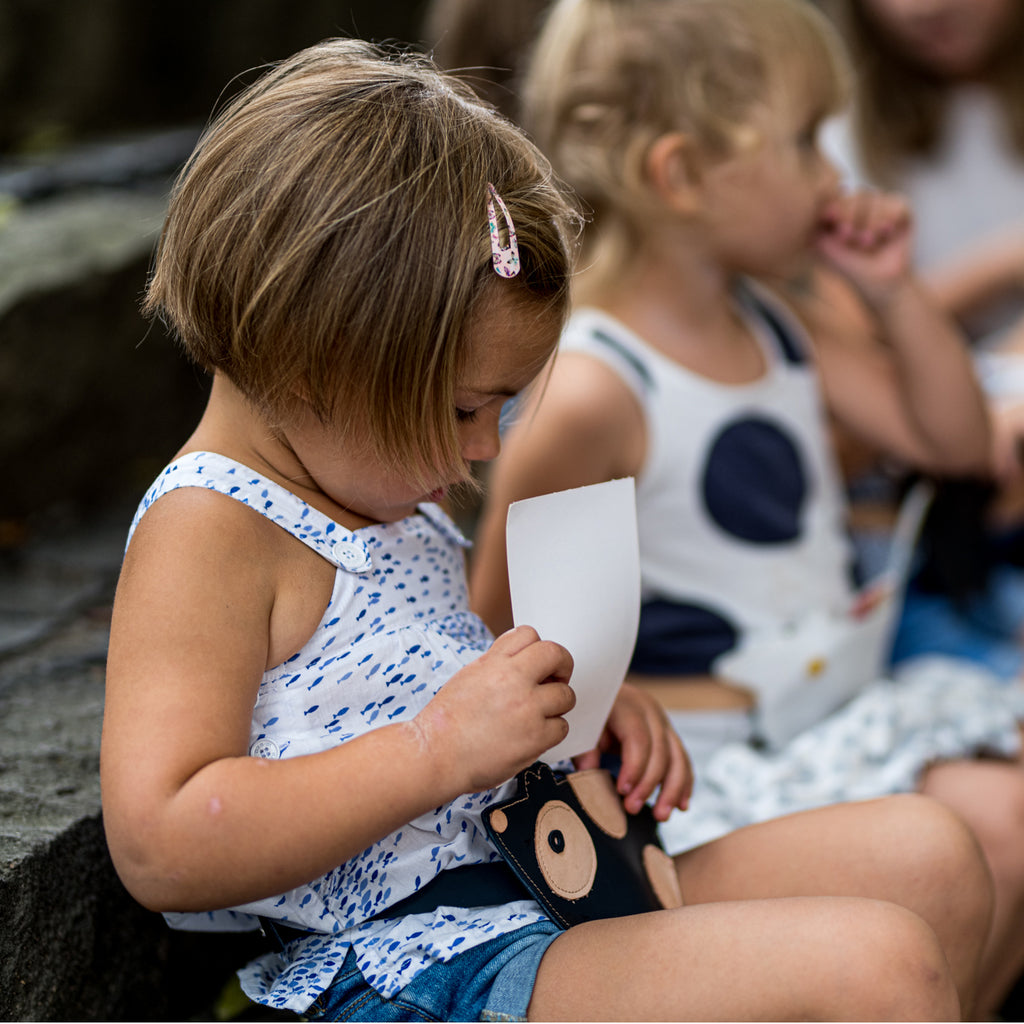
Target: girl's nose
(481,440)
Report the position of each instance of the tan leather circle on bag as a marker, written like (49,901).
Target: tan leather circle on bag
(565,851)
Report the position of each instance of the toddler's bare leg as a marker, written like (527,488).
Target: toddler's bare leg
(989,796)
(791,958)
(779,959)
(908,850)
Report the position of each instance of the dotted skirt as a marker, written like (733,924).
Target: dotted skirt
(931,710)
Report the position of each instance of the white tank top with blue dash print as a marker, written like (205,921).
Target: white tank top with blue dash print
(397,627)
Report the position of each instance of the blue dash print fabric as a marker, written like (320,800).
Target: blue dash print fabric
(397,627)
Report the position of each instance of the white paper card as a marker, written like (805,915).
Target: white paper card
(574,575)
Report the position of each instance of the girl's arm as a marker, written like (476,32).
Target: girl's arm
(583,427)
(193,822)
(580,426)
(911,391)
(982,274)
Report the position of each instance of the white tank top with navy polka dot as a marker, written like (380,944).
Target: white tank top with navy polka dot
(739,509)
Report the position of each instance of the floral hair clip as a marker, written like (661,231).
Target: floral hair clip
(504,257)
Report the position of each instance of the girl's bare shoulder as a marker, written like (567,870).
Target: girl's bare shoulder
(202,555)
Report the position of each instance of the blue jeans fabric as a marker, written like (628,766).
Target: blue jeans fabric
(986,629)
(491,982)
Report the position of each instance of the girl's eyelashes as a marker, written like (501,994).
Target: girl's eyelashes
(506,407)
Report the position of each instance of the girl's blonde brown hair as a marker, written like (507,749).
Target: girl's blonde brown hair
(900,105)
(328,239)
(607,78)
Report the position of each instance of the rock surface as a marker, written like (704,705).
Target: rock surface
(73,944)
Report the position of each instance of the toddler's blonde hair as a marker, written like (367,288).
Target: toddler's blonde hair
(607,78)
(328,241)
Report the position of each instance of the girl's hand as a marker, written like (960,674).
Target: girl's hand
(867,236)
(500,713)
(651,752)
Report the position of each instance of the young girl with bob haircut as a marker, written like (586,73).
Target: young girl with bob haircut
(304,722)
(689,129)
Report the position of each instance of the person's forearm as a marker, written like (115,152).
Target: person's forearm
(937,376)
(245,828)
(980,276)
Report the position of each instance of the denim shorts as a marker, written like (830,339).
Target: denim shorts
(490,982)
(985,629)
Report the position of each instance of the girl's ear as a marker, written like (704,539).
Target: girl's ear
(672,168)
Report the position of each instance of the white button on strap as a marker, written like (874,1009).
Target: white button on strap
(264,748)
(353,556)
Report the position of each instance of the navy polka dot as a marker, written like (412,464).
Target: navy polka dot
(755,485)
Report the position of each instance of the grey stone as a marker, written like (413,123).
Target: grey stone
(93,400)
(47,246)
(73,943)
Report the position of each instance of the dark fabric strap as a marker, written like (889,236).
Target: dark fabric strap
(475,885)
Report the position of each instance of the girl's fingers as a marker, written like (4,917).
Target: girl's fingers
(652,756)
(556,699)
(512,641)
(677,785)
(663,744)
(647,755)
(634,738)
(866,219)
(548,661)
(554,731)
(542,658)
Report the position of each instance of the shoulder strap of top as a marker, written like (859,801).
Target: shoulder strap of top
(340,546)
(599,335)
(443,523)
(790,338)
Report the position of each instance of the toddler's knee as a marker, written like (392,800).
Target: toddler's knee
(999,827)
(888,964)
(992,805)
(989,797)
(921,985)
(943,849)
(929,823)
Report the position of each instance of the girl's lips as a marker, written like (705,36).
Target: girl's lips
(436,495)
